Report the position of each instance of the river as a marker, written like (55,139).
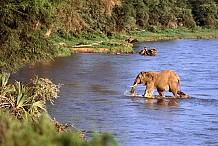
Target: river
(93,94)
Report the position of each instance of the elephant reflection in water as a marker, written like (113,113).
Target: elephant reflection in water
(162,102)
(166,80)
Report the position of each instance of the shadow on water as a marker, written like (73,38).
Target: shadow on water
(93,93)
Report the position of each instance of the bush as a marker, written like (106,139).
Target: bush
(24,119)
(26,102)
(44,133)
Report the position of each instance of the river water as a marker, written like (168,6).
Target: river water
(93,94)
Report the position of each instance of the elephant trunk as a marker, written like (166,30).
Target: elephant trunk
(137,81)
(133,88)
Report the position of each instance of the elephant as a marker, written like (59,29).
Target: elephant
(165,80)
(148,52)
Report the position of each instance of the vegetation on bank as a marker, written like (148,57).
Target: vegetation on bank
(118,43)
(44,133)
(26,102)
(28,27)
(24,119)
(181,33)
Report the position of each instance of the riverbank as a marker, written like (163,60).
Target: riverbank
(116,43)
(24,107)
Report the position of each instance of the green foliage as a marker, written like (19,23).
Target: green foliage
(103,140)
(122,17)
(22,32)
(14,132)
(26,25)
(205,12)
(26,102)
(165,13)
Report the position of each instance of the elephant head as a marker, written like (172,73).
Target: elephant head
(145,78)
(165,80)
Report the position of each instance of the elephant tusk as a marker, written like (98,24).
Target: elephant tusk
(133,86)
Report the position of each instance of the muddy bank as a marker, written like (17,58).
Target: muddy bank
(89,50)
(98,50)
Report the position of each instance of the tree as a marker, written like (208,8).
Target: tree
(123,17)
(205,12)
(183,13)
(24,24)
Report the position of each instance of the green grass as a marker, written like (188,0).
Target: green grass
(181,33)
(114,44)
(117,43)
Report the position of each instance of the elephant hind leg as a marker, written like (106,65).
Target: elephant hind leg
(174,93)
(161,92)
(181,93)
(174,89)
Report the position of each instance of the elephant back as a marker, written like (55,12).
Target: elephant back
(171,75)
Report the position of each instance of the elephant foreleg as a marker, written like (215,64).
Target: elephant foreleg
(148,93)
(133,88)
(149,89)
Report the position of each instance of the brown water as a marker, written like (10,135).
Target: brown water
(93,95)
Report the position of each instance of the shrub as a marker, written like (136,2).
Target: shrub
(26,102)
(14,132)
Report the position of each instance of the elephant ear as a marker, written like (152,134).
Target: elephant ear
(149,75)
(143,74)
